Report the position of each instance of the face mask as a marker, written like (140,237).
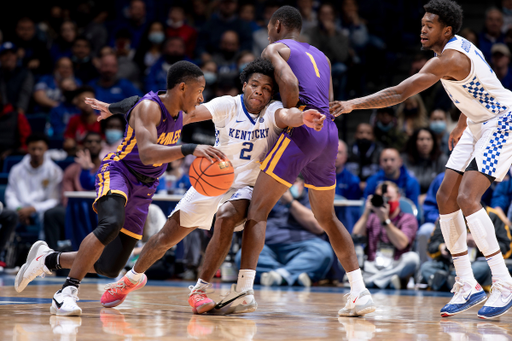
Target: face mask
(210,77)
(393,205)
(410,112)
(242,67)
(113,135)
(438,126)
(385,127)
(364,144)
(175,24)
(156,37)
(294,190)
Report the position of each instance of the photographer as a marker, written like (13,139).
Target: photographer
(389,233)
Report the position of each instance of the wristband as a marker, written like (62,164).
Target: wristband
(187,149)
(288,205)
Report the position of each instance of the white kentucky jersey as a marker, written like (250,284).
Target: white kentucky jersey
(480,96)
(245,138)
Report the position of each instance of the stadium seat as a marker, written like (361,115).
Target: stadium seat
(4,178)
(11,161)
(2,193)
(407,206)
(37,122)
(56,143)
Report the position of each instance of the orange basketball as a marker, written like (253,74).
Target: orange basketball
(211,179)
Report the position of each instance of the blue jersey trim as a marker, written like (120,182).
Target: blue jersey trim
(453,39)
(245,109)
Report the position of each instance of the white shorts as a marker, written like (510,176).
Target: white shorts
(197,210)
(489,143)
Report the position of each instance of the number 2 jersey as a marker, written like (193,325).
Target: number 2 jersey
(245,138)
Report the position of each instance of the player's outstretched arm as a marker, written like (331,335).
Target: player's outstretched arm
(106,110)
(144,119)
(201,113)
(285,78)
(293,117)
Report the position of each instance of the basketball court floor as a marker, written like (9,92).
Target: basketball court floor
(160,312)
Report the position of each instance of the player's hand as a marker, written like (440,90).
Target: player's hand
(102,107)
(313,119)
(336,108)
(209,152)
(455,136)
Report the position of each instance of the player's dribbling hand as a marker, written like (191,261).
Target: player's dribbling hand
(209,152)
(102,107)
(313,119)
(336,108)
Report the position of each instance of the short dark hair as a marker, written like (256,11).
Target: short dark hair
(182,71)
(36,137)
(411,148)
(449,12)
(82,89)
(92,133)
(289,17)
(259,65)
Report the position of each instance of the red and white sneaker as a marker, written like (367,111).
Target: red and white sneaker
(198,299)
(115,293)
(359,305)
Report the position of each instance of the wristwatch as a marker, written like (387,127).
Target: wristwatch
(386,222)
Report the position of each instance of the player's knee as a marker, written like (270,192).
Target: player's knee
(226,220)
(465,200)
(108,228)
(326,221)
(442,197)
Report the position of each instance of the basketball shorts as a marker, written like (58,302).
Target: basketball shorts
(114,177)
(307,151)
(197,210)
(489,143)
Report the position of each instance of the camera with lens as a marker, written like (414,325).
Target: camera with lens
(380,200)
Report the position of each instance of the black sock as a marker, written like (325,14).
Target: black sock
(71,281)
(52,261)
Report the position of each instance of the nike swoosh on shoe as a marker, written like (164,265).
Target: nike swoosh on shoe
(59,305)
(221,305)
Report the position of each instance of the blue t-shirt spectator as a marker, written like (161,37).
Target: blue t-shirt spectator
(430,208)
(121,89)
(502,195)
(59,117)
(48,84)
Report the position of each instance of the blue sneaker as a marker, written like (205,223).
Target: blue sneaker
(465,297)
(499,302)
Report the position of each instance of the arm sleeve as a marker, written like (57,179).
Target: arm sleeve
(122,107)
(87,180)
(220,107)
(24,130)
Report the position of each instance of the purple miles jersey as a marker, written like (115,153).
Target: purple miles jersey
(311,68)
(169,131)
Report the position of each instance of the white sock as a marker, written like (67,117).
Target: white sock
(133,276)
(245,279)
(200,284)
(356,281)
(498,268)
(463,269)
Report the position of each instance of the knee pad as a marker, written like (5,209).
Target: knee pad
(483,232)
(108,229)
(110,218)
(454,232)
(107,270)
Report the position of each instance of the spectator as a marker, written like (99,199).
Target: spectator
(14,130)
(83,66)
(392,169)
(16,82)
(353,25)
(412,115)
(62,46)
(32,51)
(8,223)
(363,155)
(225,58)
(150,49)
(243,59)
(210,76)
(260,37)
(500,60)
(87,162)
(293,251)
(386,131)
(177,180)
(174,51)
(199,15)
(438,271)
(247,13)
(48,92)
(127,68)
(502,199)
(176,27)
(60,115)
(308,14)
(113,131)
(347,187)
(438,122)
(80,125)
(506,9)
(390,234)
(96,32)
(470,35)
(34,183)
(491,34)
(108,87)
(224,20)
(423,159)
(328,38)
(136,22)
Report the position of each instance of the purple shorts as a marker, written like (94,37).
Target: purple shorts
(114,177)
(304,150)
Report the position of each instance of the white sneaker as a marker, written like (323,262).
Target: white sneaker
(271,278)
(65,325)
(304,280)
(64,302)
(359,305)
(465,296)
(236,302)
(499,302)
(34,266)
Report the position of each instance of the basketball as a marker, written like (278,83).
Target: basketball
(211,179)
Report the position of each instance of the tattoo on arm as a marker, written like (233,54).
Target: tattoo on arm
(381,99)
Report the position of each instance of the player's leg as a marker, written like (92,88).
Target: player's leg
(360,301)
(230,215)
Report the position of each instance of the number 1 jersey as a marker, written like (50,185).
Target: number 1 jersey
(245,138)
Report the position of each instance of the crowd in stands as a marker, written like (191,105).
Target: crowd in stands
(51,141)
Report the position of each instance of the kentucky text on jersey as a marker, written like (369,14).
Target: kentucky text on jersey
(248,135)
